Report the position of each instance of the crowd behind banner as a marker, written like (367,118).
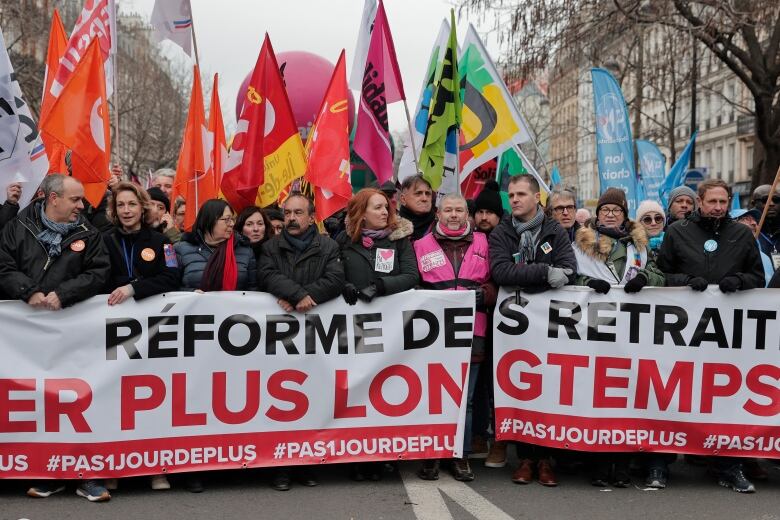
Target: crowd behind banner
(56,252)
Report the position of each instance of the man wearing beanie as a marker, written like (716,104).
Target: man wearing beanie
(652,217)
(682,200)
(159,215)
(488,209)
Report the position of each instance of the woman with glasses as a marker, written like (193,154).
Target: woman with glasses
(652,217)
(613,250)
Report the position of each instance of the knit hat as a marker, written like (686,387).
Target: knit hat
(614,196)
(649,206)
(680,191)
(157,195)
(489,199)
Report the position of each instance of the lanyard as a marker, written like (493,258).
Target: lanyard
(128,258)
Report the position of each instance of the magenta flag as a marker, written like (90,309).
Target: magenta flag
(381,85)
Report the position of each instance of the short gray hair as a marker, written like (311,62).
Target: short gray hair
(452,196)
(164,172)
(54,183)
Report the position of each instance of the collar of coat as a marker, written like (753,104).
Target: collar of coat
(600,249)
(405,229)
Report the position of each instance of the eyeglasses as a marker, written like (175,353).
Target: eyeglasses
(227,220)
(763,200)
(564,209)
(611,211)
(649,219)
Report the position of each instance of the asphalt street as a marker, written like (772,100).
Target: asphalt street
(691,494)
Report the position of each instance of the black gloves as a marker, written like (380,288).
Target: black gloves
(600,286)
(635,284)
(730,283)
(368,293)
(350,294)
(480,293)
(697,283)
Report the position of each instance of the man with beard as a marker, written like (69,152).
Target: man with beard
(682,201)
(488,209)
(417,205)
(769,238)
(707,247)
(302,269)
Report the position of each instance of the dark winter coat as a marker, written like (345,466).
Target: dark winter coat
(317,272)
(151,274)
(193,254)
(682,255)
(26,268)
(504,242)
(8,211)
(359,262)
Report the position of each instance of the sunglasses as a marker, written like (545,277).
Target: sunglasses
(647,219)
(763,200)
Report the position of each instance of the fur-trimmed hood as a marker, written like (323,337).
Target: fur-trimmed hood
(586,241)
(405,228)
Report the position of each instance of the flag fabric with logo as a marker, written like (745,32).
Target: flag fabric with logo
(97,21)
(381,85)
(407,166)
(172,20)
(676,175)
(192,180)
(22,155)
(58,42)
(78,120)
(438,156)
(514,162)
(267,152)
(361,48)
(491,120)
(652,168)
(327,149)
(614,143)
(217,134)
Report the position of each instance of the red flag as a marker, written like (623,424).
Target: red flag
(217,133)
(192,180)
(78,120)
(58,42)
(267,152)
(381,85)
(327,149)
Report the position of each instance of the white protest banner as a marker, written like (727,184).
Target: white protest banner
(667,369)
(186,381)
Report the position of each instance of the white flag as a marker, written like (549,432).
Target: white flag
(172,20)
(361,49)
(22,155)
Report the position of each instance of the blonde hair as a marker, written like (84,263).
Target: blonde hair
(140,194)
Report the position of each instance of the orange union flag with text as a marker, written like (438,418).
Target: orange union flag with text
(78,120)
(267,151)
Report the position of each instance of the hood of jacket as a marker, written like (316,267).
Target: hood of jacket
(600,247)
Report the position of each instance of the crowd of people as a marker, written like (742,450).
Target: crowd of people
(55,253)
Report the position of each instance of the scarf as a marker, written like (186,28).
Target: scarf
(369,236)
(53,233)
(221,272)
(422,223)
(616,233)
(449,234)
(708,223)
(302,243)
(529,233)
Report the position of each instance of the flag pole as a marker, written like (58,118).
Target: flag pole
(114,60)
(768,203)
(194,42)
(522,155)
(411,137)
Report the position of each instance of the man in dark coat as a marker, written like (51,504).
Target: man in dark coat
(562,206)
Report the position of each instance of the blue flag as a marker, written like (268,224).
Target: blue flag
(652,168)
(555,177)
(735,205)
(614,144)
(676,174)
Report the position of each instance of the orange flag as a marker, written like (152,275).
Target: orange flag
(78,120)
(327,149)
(192,179)
(267,152)
(217,133)
(58,42)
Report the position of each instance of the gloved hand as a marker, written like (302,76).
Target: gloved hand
(730,283)
(480,294)
(367,293)
(635,284)
(697,283)
(600,286)
(350,294)
(557,277)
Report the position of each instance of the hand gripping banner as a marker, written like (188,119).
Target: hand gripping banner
(185,381)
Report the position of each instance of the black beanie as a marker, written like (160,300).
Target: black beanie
(489,199)
(158,195)
(614,196)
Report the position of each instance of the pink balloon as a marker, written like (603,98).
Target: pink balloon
(306,77)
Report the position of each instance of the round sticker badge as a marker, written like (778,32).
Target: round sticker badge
(710,245)
(77,246)
(148,254)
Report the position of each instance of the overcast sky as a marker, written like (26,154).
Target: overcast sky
(230,33)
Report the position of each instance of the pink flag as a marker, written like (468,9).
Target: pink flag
(381,85)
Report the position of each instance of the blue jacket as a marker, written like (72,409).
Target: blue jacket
(193,254)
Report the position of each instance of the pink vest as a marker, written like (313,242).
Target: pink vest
(437,272)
